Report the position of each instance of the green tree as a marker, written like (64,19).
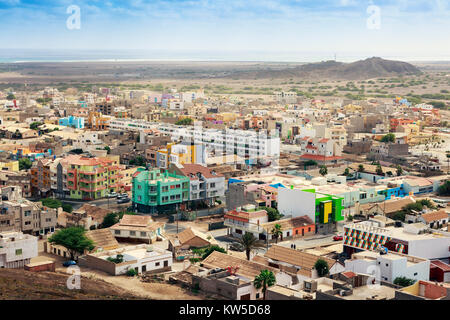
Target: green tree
(249,243)
(108,149)
(184,122)
(73,239)
(390,137)
(264,280)
(310,163)
(404,282)
(323,170)
(25,164)
(360,168)
(35,125)
(211,249)
(272,213)
(138,161)
(277,232)
(51,203)
(110,219)
(67,207)
(399,171)
(379,170)
(322,267)
(346,172)
(10,97)
(444,190)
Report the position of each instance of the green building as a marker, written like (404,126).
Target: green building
(159,191)
(328,211)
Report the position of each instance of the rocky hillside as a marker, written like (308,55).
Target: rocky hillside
(18,284)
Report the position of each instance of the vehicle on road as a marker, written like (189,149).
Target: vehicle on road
(338,238)
(122,196)
(113,195)
(236,246)
(123,200)
(69,263)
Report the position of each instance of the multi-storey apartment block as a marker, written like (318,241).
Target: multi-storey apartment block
(92,178)
(246,144)
(159,191)
(205,185)
(18,214)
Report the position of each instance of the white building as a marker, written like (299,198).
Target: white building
(418,242)
(141,258)
(296,203)
(17,249)
(244,143)
(388,267)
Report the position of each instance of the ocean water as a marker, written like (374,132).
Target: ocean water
(28,55)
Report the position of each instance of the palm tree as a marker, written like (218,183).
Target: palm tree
(277,232)
(264,280)
(249,242)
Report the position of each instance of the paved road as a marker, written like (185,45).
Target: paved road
(310,242)
(171,228)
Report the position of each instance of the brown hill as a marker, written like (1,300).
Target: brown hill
(18,284)
(359,70)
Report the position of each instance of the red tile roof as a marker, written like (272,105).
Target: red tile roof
(319,157)
(193,169)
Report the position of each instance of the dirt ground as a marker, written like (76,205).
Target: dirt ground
(128,286)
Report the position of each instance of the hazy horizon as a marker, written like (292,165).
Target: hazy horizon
(251,30)
(39,55)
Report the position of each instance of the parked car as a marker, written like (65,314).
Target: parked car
(122,196)
(236,246)
(123,200)
(69,263)
(338,238)
(113,195)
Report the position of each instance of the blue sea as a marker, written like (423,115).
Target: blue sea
(32,55)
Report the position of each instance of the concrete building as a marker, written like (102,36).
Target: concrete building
(159,191)
(17,249)
(132,228)
(19,214)
(389,266)
(417,241)
(205,185)
(142,258)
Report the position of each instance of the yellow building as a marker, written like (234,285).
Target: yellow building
(10,166)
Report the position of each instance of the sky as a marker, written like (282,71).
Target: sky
(249,29)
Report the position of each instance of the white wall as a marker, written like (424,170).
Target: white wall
(297,203)
(430,248)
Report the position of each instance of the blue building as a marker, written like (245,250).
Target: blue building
(72,121)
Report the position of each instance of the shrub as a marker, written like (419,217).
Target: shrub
(132,273)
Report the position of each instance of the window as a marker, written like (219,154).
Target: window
(116,231)
(143,234)
(415,274)
(132,233)
(18,252)
(139,187)
(157,264)
(257,296)
(212,185)
(387,265)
